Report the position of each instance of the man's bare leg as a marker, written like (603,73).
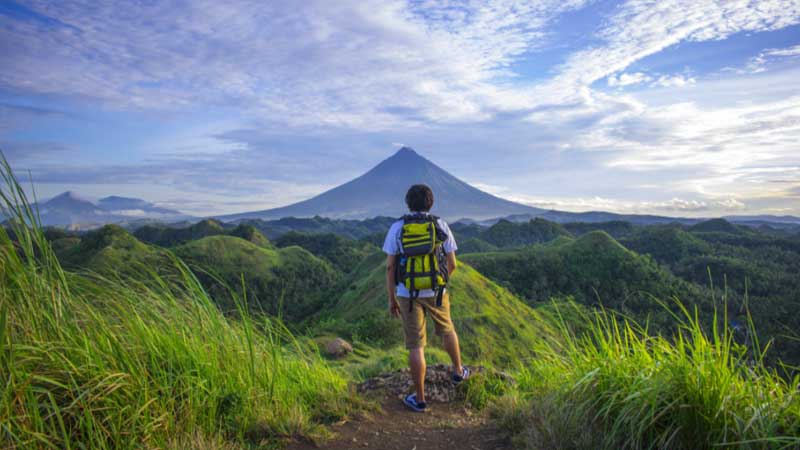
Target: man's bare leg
(450,343)
(416,360)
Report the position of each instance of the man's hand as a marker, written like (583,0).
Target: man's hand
(391,285)
(394,308)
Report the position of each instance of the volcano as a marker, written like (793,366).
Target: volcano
(381,192)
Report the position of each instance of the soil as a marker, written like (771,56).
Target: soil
(448,423)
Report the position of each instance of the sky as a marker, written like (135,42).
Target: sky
(682,108)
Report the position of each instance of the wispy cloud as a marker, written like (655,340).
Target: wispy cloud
(342,63)
(761,62)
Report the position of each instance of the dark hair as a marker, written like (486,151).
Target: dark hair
(419,198)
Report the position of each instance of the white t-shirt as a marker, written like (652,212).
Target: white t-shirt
(393,246)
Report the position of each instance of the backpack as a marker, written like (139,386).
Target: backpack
(423,263)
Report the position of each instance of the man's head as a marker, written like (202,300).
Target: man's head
(419,198)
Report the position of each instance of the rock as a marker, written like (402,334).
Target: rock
(336,348)
(438,385)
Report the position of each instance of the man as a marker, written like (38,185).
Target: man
(413,306)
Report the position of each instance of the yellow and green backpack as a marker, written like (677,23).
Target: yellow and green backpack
(422,263)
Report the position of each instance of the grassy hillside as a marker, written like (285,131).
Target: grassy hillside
(666,243)
(353,229)
(251,234)
(753,270)
(288,282)
(111,250)
(505,234)
(719,226)
(618,386)
(476,245)
(165,236)
(344,253)
(593,269)
(108,364)
(615,228)
(494,326)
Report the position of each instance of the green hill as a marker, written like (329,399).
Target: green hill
(165,236)
(465,231)
(476,245)
(251,234)
(616,228)
(289,282)
(111,250)
(593,269)
(354,229)
(718,226)
(505,234)
(493,325)
(344,253)
(666,243)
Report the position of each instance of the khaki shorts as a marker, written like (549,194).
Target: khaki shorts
(414,320)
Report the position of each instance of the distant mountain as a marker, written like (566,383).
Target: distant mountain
(70,210)
(136,207)
(764,218)
(778,222)
(380,192)
(592,217)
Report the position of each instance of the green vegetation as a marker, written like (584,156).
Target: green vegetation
(353,229)
(251,234)
(165,236)
(666,243)
(505,234)
(615,228)
(593,269)
(344,253)
(128,346)
(493,325)
(620,387)
(94,362)
(476,245)
(290,283)
(747,266)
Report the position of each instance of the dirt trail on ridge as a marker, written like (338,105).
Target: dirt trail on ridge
(448,424)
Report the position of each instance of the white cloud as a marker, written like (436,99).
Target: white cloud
(674,81)
(674,206)
(626,79)
(364,64)
(641,28)
(760,62)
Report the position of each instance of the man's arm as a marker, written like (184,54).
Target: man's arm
(451,263)
(391,285)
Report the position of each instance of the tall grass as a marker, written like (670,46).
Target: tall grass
(93,362)
(619,387)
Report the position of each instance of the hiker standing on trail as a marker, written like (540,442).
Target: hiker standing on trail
(421,256)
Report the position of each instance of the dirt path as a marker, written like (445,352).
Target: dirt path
(445,426)
(448,424)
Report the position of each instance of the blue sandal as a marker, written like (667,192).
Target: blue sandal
(411,401)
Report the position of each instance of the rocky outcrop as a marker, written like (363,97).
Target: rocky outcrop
(438,384)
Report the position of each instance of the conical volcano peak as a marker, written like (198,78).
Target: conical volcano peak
(381,192)
(406,155)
